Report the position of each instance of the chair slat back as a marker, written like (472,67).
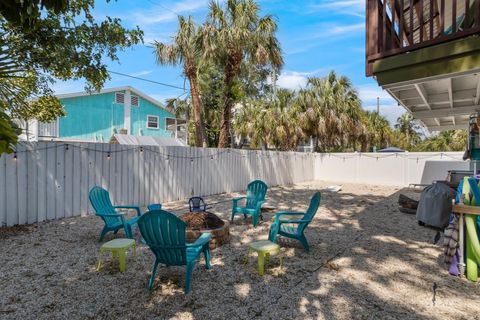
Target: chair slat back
(164,233)
(101,203)
(256,191)
(311,211)
(195,203)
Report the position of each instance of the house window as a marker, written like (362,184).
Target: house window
(134,100)
(152,122)
(119,97)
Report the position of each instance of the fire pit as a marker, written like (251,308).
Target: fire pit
(200,222)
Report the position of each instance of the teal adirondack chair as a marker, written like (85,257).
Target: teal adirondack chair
(256,191)
(284,226)
(164,233)
(100,200)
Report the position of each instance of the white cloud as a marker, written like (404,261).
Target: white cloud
(141,73)
(63,87)
(345,29)
(346,7)
(292,81)
(295,80)
(369,93)
(389,108)
(326,32)
(166,13)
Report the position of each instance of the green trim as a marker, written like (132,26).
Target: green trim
(446,58)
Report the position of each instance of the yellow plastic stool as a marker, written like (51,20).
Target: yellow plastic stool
(118,247)
(264,249)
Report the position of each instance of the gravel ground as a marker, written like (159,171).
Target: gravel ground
(367,261)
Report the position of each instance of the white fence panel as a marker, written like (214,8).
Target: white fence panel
(393,169)
(51,180)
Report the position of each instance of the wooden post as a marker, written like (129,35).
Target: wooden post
(372,33)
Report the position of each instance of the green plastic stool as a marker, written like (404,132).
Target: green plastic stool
(118,247)
(264,249)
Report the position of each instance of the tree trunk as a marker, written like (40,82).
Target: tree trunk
(224,139)
(200,135)
(231,70)
(27,129)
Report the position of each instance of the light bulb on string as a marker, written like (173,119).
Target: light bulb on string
(109,156)
(15,155)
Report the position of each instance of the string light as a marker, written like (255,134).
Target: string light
(141,149)
(66,147)
(109,156)
(15,155)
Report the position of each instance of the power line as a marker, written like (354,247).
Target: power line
(147,80)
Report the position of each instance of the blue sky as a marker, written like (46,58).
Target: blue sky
(316,37)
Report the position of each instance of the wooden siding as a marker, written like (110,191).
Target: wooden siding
(395,27)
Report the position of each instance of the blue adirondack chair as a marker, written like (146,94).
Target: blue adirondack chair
(100,200)
(284,226)
(164,233)
(197,204)
(256,191)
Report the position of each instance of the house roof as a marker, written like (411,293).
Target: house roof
(147,140)
(115,89)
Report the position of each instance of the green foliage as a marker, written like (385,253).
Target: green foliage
(8,133)
(43,40)
(70,44)
(185,49)
(234,35)
(451,140)
(25,13)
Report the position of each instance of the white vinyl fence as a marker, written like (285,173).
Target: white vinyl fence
(51,180)
(394,169)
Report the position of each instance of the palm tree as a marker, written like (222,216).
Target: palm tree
(376,131)
(251,122)
(12,93)
(283,120)
(409,127)
(331,112)
(452,140)
(185,50)
(231,35)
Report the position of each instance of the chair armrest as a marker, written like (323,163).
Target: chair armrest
(113,215)
(137,208)
(236,200)
(202,240)
(288,213)
(110,215)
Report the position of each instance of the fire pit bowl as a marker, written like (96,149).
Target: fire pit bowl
(200,222)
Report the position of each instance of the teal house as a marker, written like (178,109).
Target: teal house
(97,116)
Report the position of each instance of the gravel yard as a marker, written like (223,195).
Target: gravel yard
(367,261)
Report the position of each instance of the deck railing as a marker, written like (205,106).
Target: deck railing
(398,26)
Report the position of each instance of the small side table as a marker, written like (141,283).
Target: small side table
(118,247)
(264,249)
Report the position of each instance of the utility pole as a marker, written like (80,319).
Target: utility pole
(378,105)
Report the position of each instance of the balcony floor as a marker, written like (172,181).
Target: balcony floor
(367,261)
